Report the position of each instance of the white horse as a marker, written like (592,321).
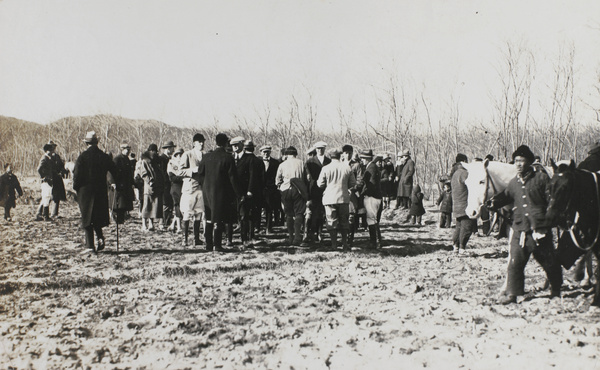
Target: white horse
(485,179)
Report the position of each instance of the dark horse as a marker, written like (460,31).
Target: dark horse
(575,207)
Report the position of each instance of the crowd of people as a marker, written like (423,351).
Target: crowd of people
(229,189)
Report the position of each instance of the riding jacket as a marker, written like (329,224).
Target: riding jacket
(529,196)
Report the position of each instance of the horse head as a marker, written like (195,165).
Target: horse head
(485,179)
(560,211)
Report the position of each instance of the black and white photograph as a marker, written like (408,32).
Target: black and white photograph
(285,184)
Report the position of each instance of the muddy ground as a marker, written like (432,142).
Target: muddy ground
(155,305)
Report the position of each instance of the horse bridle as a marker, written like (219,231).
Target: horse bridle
(576,219)
(488,181)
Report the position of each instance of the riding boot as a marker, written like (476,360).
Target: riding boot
(209,233)
(218,237)
(229,232)
(379,239)
(46,213)
(89,237)
(55,208)
(197,240)
(334,242)
(351,230)
(186,230)
(298,223)
(290,228)
(372,237)
(308,229)
(345,245)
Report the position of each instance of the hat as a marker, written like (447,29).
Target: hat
(595,147)
(48,147)
(178,152)
(52,143)
(197,137)
(378,157)
(124,145)
(334,153)
(404,153)
(236,140)
(347,148)
(90,137)
(290,150)
(153,147)
(366,153)
(265,148)
(169,144)
(524,151)
(461,158)
(320,144)
(249,144)
(311,150)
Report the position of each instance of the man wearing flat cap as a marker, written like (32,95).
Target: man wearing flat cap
(124,186)
(316,212)
(528,192)
(337,179)
(272,198)
(167,153)
(404,178)
(89,181)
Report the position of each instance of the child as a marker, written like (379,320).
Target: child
(445,203)
(416,208)
(8,184)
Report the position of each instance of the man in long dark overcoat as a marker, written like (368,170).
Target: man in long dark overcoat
(257,184)
(220,187)
(248,179)
(58,186)
(89,181)
(405,179)
(124,187)
(163,159)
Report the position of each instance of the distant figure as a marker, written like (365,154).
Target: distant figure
(164,159)
(191,203)
(371,191)
(272,197)
(417,210)
(124,180)
(176,188)
(445,203)
(89,181)
(290,179)
(10,190)
(152,175)
(316,211)
(464,225)
(46,171)
(58,186)
(404,178)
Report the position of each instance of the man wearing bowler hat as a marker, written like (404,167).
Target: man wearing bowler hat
(89,181)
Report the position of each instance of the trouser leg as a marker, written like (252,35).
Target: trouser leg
(209,233)
(334,236)
(298,224)
(89,236)
(55,208)
(186,231)
(467,227)
(6,212)
(197,240)
(218,235)
(515,282)
(546,255)
(290,223)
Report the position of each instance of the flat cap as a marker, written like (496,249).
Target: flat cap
(265,148)
(237,140)
(320,144)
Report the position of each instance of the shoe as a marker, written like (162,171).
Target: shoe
(220,249)
(508,299)
(8,219)
(100,244)
(229,243)
(555,294)
(39,218)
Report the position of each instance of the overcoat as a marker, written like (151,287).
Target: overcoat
(405,180)
(271,193)
(460,192)
(387,179)
(8,185)
(313,169)
(58,186)
(89,181)
(124,182)
(416,202)
(370,181)
(220,185)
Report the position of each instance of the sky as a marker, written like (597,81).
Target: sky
(189,62)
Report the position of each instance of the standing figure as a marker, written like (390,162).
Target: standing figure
(258,188)
(218,176)
(151,173)
(192,200)
(315,204)
(416,207)
(404,177)
(371,190)
(445,203)
(356,202)
(387,181)
(272,198)
(9,184)
(58,186)
(46,172)
(176,188)
(464,225)
(164,159)
(528,192)
(337,179)
(124,186)
(89,181)
(290,179)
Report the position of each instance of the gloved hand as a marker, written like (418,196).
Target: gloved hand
(539,234)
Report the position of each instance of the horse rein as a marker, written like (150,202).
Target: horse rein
(488,181)
(576,219)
